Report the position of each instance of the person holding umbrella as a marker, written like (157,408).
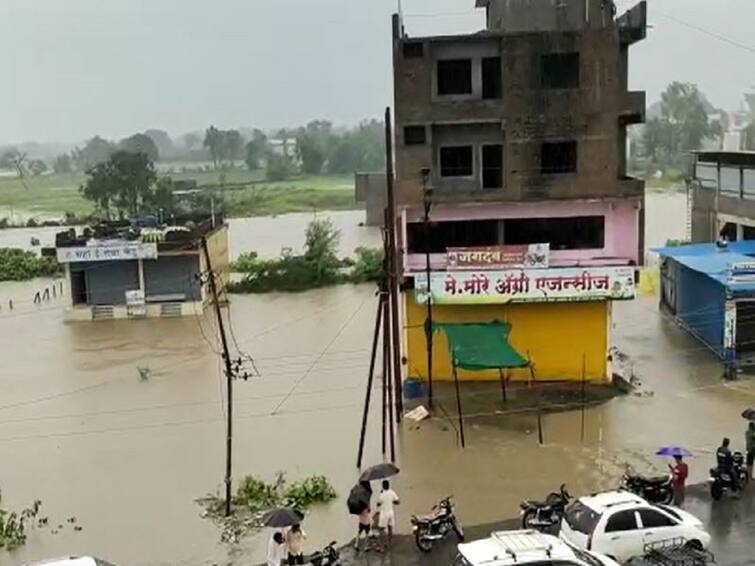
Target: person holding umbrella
(280,518)
(679,471)
(679,474)
(295,544)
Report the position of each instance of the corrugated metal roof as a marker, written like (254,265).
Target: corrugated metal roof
(715,262)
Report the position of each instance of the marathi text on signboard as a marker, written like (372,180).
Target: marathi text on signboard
(525,256)
(527,285)
(107,252)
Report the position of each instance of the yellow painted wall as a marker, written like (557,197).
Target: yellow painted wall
(554,336)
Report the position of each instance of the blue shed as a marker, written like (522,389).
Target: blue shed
(710,291)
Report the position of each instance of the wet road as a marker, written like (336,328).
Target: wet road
(731,523)
(82,432)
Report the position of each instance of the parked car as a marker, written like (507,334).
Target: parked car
(621,524)
(506,548)
(71,561)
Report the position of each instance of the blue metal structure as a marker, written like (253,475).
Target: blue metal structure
(705,287)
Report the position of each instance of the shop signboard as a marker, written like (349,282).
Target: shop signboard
(527,285)
(730,325)
(121,251)
(136,304)
(491,257)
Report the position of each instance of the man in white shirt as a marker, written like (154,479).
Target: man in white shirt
(276,549)
(387,500)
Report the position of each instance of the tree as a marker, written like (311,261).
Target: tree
(361,149)
(63,164)
(37,167)
(213,141)
(681,127)
(321,249)
(140,143)
(163,199)
(96,151)
(161,139)
(233,145)
(279,167)
(314,143)
(255,150)
(125,181)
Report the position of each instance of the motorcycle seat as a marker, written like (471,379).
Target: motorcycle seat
(534,503)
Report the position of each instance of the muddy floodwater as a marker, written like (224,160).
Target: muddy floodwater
(80,430)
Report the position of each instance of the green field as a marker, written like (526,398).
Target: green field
(246,193)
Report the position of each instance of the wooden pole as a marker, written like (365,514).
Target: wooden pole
(503,385)
(384,384)
(458,408)
(393,267)
(229,380)
(387,377)
(539,408)
(370,378)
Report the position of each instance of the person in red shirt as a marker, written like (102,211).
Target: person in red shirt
(679,473)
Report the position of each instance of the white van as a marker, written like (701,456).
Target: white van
(508,548)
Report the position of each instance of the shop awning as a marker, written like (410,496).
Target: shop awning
(478,346)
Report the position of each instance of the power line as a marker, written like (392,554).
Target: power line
(314,363)
(714,34)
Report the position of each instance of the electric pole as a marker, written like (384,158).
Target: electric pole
(229,373)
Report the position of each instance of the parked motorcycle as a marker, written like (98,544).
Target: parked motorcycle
(329,556)
(544,515)
(436,526)
(721,481)
(653,489)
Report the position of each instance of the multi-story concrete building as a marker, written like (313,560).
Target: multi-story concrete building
(517,136)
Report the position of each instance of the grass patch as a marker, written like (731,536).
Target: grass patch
(246,193)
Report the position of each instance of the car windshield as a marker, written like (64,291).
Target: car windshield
(581,518)
(461,561)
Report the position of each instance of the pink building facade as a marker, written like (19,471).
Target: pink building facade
(612,238)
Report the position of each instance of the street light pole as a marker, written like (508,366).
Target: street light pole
(427,200)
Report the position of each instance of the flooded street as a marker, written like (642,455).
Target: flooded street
(82,432)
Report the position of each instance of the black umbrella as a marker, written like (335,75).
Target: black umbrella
(379,472)
(359,499)
(282,517)
(749,414)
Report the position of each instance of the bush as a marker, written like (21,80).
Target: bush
(368,265)
(20,265)
(257,495)
(13,526)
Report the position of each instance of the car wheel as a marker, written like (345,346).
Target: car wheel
(694,545)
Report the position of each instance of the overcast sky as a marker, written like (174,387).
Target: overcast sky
(70,69)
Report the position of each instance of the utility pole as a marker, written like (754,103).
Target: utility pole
(229,379)
(393,267)
(428,203)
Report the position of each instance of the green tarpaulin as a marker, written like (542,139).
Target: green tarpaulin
(481,345)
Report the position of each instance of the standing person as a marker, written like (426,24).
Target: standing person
(387,500)
(365,522)
(295,544)
(750,444)
(679,473)
(276,549)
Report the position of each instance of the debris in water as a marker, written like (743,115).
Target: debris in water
(144,373)
(418,414)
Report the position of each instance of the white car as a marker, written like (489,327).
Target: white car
(71,561)
(623,525)
(508,548)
